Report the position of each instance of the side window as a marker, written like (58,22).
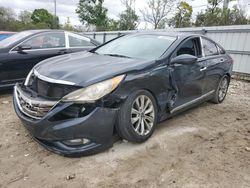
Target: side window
(221,50)
(209,47)
(79,42)
(191,47)
(46,40)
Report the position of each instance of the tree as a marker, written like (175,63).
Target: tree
(157,11)
(238,16)
(92,12)
(213,5)
(55,23)
(183,16)
(221,16)
(128,18)
(113,25)
(42,17)
(25,17)
(7,19)
(68,26)
(6,14)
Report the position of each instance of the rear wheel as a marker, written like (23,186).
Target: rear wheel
(137,117)
(221,91)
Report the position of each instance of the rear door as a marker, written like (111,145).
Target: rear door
(215,58)
(42,46)
(188,79)
(78,43)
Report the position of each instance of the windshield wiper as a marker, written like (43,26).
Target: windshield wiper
(117,55)
(94,52)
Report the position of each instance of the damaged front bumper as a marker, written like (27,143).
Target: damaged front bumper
(54,130)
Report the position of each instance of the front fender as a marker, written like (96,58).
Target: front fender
(157,81)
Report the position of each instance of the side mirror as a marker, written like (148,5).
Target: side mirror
(23,47)
(184,59)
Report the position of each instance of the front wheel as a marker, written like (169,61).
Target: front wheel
(137,117)
(221,91)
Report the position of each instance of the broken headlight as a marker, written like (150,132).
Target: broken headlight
(94,92)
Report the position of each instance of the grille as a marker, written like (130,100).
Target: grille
(33,108)
(50,90)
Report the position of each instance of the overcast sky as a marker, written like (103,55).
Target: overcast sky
(66,8)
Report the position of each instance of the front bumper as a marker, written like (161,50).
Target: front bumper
(97,127)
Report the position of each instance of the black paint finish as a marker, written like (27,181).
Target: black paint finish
(172,84)
(15,65)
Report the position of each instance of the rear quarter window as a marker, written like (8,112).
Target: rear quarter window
(221,50)
(209,47)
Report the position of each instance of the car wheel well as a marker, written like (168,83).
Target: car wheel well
(156,100)
(229,77)
(152,93)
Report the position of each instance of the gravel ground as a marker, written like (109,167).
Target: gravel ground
(208,146)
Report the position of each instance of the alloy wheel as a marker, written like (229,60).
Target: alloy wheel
(142,115)
(223,89)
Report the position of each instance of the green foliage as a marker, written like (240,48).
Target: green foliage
(213,4)
(219,16)
(92,12)
(6,14)
(113,25)
(43,18)
(183,16)
(128,19)
(25,17)
(7,17)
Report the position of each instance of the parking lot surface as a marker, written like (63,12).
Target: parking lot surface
(207,146)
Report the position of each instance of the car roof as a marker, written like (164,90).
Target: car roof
(168,33)
(7,32)
(44,30)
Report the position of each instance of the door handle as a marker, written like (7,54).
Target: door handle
(203,69)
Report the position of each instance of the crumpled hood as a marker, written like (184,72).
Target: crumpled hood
(86,68)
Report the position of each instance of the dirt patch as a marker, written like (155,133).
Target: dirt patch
(207,146)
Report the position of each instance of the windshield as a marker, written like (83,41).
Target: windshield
(14,38)
(146,46)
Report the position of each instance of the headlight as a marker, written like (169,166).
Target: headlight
(94,92)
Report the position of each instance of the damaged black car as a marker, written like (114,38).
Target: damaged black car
(75,103)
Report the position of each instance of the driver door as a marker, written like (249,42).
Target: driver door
(188,80)
(38,48)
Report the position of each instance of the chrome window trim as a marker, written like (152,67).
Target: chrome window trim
(82,47)
(66,39)
(192,102)
(78,36)
(42,49)
(202,49)
(68,34)
(51,80)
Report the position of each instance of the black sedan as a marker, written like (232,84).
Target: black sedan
(22,51)
(74,104)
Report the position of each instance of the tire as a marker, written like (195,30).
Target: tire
(135,123)
(221,90)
